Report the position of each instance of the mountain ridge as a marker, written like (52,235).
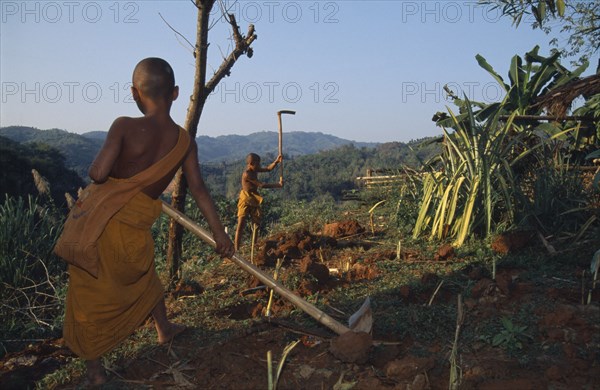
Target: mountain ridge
(80,149)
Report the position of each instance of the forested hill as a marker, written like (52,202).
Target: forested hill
(327,173)
(18,160)
(298,143)
(80,149)
(228,148)
(316,164)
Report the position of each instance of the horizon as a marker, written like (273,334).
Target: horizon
(222,135)
(381,82)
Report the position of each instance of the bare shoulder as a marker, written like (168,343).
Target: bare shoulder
(122,122)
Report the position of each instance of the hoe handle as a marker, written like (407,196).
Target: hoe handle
(290,112)
(297,301)
(280,144)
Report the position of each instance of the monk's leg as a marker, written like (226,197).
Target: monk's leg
(166,330)
(95,372)
(239,232)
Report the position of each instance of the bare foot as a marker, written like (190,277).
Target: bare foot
(95,372)
(165,336)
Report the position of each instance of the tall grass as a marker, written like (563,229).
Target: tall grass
(28,231)
(32,279)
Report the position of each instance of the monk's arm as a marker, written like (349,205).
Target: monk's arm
(191,170)
(259,184)
(104,161)
(271,166)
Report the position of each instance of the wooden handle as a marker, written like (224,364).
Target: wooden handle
(300,303)
(290,112)
(280,145)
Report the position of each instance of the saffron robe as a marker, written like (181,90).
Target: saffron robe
(249,205)
(101,312)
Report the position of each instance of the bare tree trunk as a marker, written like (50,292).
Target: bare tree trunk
(199,95)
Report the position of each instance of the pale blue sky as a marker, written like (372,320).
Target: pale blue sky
(360,70)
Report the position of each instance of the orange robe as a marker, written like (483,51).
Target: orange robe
(249,205)
(101,312)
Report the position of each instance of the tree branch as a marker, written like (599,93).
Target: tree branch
(175,31)
(242,46)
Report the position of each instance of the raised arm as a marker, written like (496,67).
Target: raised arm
(271,166)
(191,170)
(250,182)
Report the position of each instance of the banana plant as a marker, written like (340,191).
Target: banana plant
(529,78)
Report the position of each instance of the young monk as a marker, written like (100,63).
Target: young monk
(250,201)
(134,166)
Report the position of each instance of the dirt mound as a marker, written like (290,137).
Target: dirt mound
(343,229)
(291,246)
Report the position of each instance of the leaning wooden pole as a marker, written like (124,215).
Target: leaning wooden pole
(300,303)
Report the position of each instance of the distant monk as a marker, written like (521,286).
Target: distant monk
(134,166)
(250,201)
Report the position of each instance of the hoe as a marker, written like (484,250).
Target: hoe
(290,112)
(359,321)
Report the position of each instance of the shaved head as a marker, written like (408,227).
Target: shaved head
(154,78)
(252,158)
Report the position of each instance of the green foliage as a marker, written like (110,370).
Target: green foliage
(529,78)
(315,164)
(591,108)
(474,187)
(474,180)
(327,173)
(577,18)
(497,170)
(540,9)
(558,196)
(28,230)
(18,160)
(78,150)
(32,278)
(194,249)
(595,155)
(309,214)
(510,337)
